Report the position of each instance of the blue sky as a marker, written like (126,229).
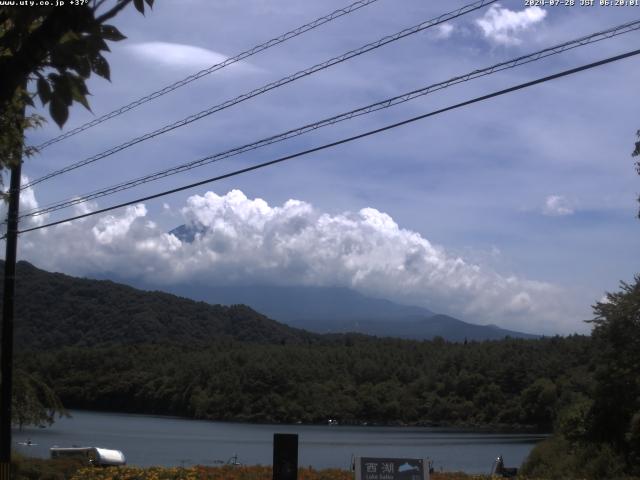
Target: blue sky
(518,211)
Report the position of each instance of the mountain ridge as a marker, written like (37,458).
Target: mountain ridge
(340,310)
(92,311)
(54,310)
(310,308)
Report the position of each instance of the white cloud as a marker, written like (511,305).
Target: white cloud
(247,241)
(444,30)
(28,203)
(557,206)
(182,56)
(111,228)
(502,25)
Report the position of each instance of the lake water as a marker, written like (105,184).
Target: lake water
(150,440)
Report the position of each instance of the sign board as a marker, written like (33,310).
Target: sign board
(369,468)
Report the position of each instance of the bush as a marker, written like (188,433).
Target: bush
(24,468)
(558,458)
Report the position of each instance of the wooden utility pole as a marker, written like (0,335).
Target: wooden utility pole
(6,359)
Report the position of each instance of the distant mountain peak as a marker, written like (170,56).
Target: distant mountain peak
(187,233)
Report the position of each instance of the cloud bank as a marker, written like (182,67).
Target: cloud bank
(246,241)
(182,56)
(502,25)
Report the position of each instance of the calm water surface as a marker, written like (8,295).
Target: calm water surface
(148,440)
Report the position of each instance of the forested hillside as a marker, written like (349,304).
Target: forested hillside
(511,383)
(54,310)
(106,346)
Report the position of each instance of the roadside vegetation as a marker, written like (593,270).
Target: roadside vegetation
(218,473)
(598,435)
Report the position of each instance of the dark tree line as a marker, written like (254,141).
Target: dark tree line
(354,379)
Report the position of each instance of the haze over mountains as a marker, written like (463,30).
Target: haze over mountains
(340,310)
(336,309)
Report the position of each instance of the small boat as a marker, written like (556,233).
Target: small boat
(92,455)
(28,443)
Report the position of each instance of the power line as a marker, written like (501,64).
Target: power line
(218,66)
(522,60)
(345,140)
(278,83)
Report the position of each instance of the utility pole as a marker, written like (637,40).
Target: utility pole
(6,359)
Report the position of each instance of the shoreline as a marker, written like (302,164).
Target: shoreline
(441,427)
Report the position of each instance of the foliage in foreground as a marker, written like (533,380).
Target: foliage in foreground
(35,469)
(72,469)
(599,435)
(24,468)
(231,473)
(33,402)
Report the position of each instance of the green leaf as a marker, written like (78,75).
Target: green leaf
(95,43)
(58,111)
(150,3)
(83,66)
(62,56)
(44,90)
(110,32)
(62,89)
(70,36)
(139,4)
(82,99)
(100,66)
(78,90)
(77,82)
(102,45)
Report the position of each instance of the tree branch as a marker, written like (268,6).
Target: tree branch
(113,12)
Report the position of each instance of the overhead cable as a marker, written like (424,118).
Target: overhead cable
(343,141)
(522,60)
(214,68)
(273,85)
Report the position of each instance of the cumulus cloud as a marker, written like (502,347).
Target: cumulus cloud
(557,206)
(182,56)
(237,240)
(502,25)
(445,30)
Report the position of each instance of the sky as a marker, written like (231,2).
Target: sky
(519,211)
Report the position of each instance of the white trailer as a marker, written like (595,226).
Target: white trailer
(93,455)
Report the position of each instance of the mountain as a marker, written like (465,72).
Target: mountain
(298,304)
(337,310)
(341,310)
(54,310)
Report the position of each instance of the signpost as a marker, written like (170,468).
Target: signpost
(369,468)
(285,456)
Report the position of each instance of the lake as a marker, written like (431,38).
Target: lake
(150,440)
